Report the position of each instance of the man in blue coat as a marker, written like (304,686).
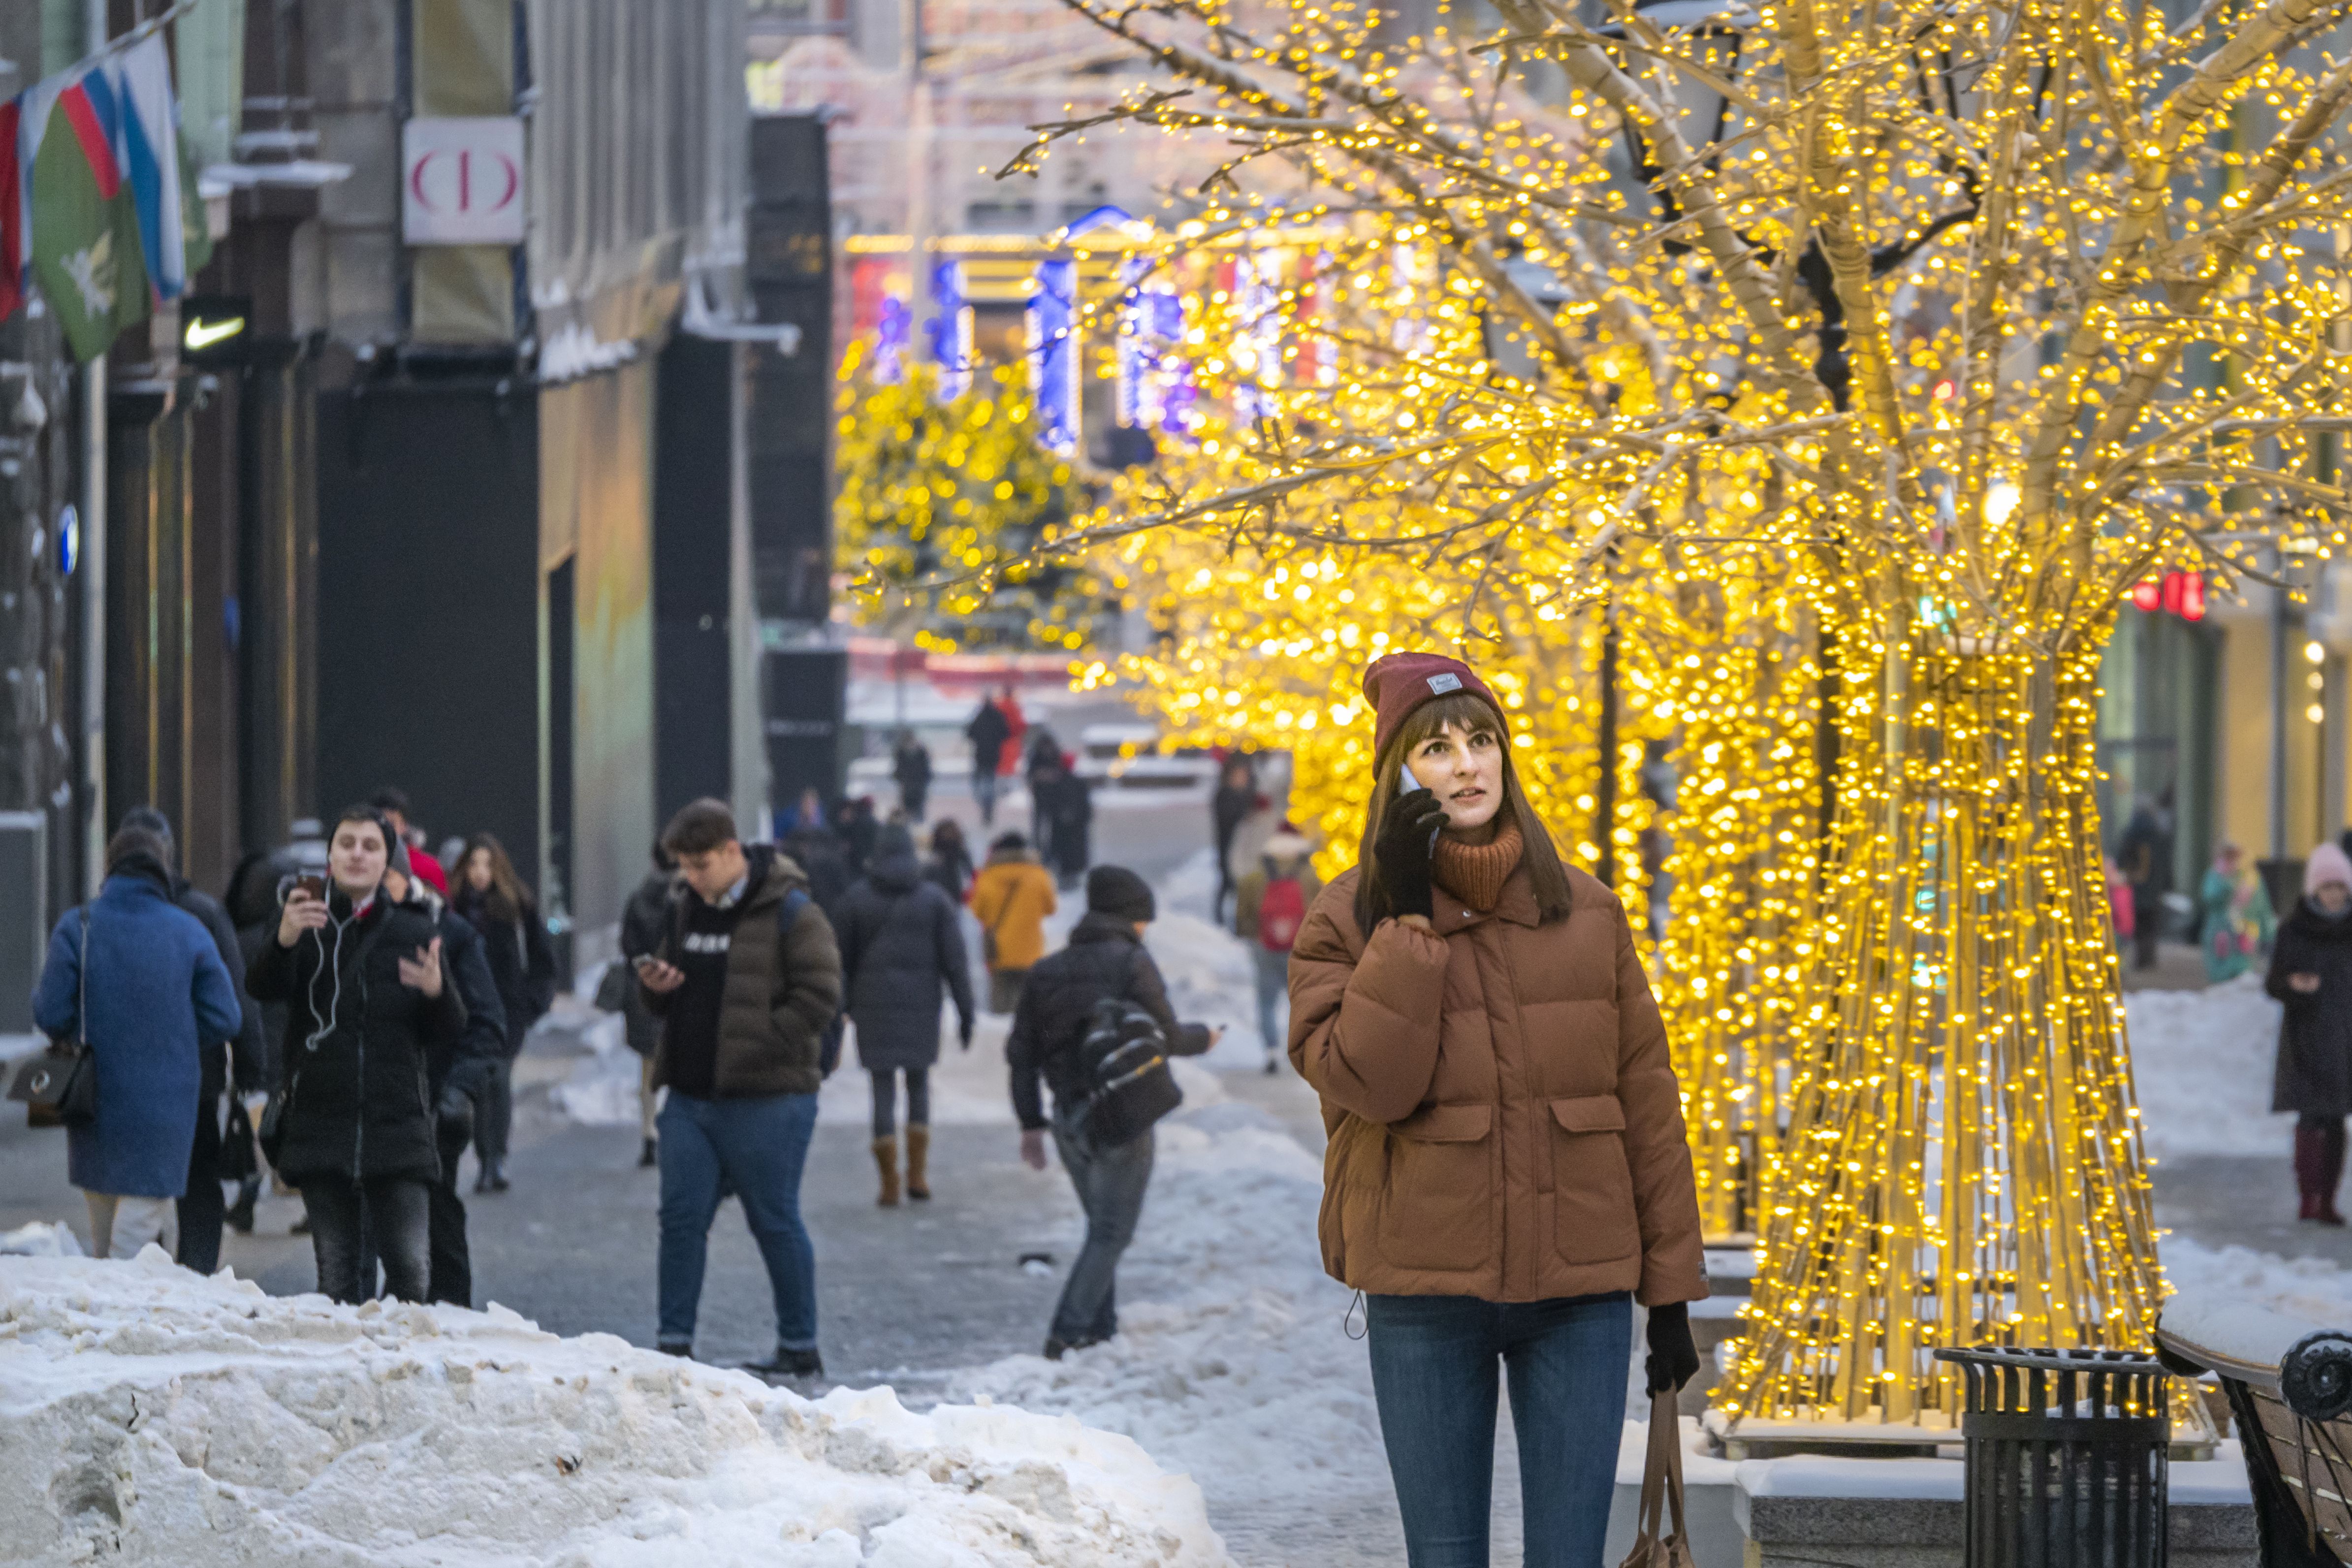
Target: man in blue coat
(156,997)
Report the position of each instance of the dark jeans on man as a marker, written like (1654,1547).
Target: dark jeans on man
(452,1276)
(1433,1379)
(1111,1185)
(2148,926)
(757,1146)
(493,1109)
(201,1207)
(391,1214)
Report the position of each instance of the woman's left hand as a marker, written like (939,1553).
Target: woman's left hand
(423,973)
(1674,1356)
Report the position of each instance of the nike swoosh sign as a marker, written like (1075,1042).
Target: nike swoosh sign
(204,334)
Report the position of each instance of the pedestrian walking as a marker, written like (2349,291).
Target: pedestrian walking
(901,945)
(2236,923)
(1269,908)
(202,1209)
(455,1071)
(747,982)
(642,921)
(817,852)
(492,898)
(2145,853)
(807,817)
(1236,798)
(2311,976)
(910,765)
(1010,898)
(368,1001)
(949,865)
(855,827)
(252,903)
(1105,960)
(140,982)
(988,730)
(1063,801)
(1508,1169)
(391,804)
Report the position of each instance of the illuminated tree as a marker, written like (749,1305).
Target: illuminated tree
(2010,305)
(960,489)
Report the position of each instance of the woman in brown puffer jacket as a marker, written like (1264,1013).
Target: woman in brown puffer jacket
(1508,1170)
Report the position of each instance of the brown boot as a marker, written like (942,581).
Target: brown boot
(886,1157)
(918,1159)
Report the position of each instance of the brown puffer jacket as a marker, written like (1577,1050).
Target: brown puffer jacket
(1504,1120)
(781,993)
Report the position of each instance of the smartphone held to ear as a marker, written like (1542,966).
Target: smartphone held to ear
(1406,784)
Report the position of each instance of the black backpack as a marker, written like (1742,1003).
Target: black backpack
(1129,1084)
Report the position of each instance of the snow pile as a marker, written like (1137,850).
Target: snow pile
(150,1416)
(2202,1063)
(602,1090)
(39,1240)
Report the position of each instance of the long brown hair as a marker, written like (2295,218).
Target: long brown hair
(1468,714)
(506,898)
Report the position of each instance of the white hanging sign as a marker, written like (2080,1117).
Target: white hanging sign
(461,181)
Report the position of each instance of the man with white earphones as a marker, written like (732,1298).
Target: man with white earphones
(352,1120)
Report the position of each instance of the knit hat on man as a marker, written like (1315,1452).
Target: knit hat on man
(2327,864)
(1397,683)
(1116,891)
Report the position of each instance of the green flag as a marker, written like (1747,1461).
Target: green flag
(86,248)
(192,222)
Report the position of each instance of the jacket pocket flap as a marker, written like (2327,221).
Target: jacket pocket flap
(1591,1113)
(1446,1123)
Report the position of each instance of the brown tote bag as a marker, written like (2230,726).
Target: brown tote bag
(1661,1494)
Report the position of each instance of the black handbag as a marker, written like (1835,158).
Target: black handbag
(59,1086)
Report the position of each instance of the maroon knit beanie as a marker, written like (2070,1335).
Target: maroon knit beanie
(1398,683)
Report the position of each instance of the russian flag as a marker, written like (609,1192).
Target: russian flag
(149,140)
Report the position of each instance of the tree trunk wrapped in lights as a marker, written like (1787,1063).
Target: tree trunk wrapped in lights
(1955,273)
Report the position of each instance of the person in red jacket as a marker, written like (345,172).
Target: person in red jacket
(393,804)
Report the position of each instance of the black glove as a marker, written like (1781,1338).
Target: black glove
(963,1031)
(455,1105)
(1672,1360)
(1402,850)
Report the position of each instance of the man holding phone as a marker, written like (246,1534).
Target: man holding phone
(746,981)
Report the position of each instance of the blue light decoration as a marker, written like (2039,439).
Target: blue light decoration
(894,334)
(1155,390)
(1257,350)
(69,540)
(1053,355)
(951,345)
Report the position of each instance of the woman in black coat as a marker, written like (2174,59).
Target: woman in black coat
(901,943)
(491,896)
(2311,973)
(367,1002)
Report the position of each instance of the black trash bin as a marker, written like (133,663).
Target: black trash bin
(2067,1455)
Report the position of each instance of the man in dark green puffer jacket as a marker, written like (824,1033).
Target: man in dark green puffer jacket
(747,982)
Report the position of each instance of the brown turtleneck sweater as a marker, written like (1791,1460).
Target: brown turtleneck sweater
(1475,873)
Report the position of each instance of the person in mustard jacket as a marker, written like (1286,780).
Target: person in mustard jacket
(1508,1170)
(1010,898)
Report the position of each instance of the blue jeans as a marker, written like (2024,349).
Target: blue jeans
(1433,1379)
(758,1145)
(1273,972)
(1110,1186)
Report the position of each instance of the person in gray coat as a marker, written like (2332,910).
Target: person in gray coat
(901,943)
